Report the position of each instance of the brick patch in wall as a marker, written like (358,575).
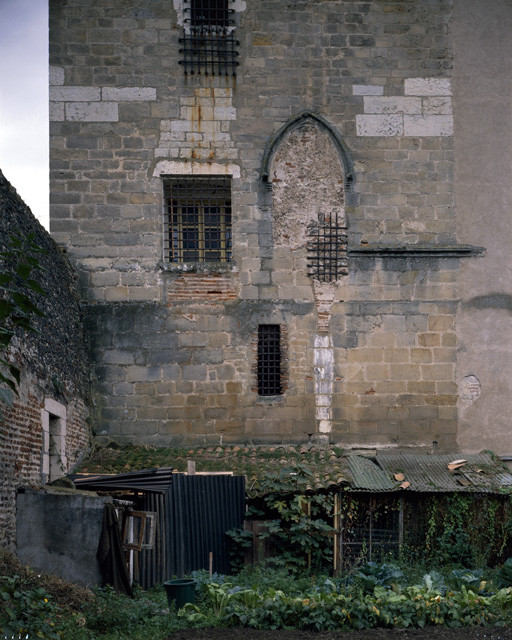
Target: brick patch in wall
(21,434)
(195,287)
(424,111)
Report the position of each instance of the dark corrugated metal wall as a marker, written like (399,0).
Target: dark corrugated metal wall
(153,562)
(193,518)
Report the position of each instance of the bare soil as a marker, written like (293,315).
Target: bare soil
(432,633)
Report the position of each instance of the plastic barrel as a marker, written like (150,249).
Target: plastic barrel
(181,591)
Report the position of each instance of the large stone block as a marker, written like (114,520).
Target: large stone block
(379,125)
(92,111)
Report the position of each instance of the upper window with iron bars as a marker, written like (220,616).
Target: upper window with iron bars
(198,219)
(208,45)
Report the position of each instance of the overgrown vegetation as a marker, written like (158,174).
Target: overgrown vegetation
(298,521)
(440,577)
(259,597)
(18,262)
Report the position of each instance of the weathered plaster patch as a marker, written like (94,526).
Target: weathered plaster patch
(470,390)
(307,185)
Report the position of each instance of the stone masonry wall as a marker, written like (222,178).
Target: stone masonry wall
(369,357)
(54,371)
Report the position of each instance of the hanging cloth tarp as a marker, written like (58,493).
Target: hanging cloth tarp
(111,555)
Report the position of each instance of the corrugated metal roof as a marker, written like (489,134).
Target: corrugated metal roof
(325,467)
(481,473)
(157,480)
(366,475)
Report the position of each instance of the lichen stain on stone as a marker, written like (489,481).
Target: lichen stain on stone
(308,186)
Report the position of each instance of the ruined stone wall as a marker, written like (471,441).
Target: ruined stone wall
(54,373)
(339,122)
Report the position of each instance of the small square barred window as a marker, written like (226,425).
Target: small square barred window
(198,219)
(208,43)
(269,360)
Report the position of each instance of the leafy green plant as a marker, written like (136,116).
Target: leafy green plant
(470,579)
(298,524)
(434,581)
(372,575)
(26,611)
(239,541)
(504,576)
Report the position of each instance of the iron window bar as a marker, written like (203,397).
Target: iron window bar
(327,250)
(208,43)
(198,219)
(269,360)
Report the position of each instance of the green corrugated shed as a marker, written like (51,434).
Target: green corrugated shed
(366,475)
(481,473)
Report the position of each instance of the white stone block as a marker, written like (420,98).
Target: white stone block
(161,152)
(168,167)
(380,125)
(395,104)
(367,90)
(204,92)
(180,125)
(324,426)
(323,387)
(425,126)
(56,76)
(222,93)
(195,116)
(74,94)
(56,111)
(128,94)
(222,102)
(323,413)
(208,126)
(55,408)
(92,111)
(437,106)
(427,87)
(224,113)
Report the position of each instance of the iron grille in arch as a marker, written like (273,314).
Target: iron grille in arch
(208,43)
(269,360)
(327,250)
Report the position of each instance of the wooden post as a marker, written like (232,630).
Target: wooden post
(335,538)
(401,524)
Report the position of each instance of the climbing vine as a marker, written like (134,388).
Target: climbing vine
(298,520)
(457,529)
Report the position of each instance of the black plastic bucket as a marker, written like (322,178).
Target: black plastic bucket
(181,591)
